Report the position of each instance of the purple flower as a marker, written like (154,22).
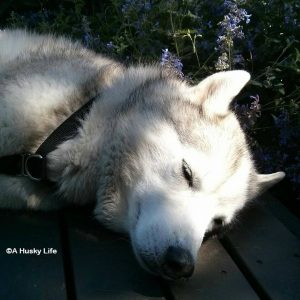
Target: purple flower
(248,18)
(136,5)
(255,105)
(248,115)
(230,30)
(165,56)
(171,61)
(147,6)
(238,59)
(178,64)
(110,45)
(290,14)
(209,24)
(86,39)
(126,6)
(243,15)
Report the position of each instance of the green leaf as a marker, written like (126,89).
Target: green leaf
(256,83)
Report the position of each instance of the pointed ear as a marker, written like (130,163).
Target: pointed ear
(265,181)
(216,92)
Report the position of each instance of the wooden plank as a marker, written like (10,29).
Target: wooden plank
(289,220)
(30,276)
(104,266)
(216,277)
(268,252)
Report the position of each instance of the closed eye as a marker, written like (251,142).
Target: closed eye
(187,173)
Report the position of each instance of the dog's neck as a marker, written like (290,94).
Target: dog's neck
(76,164)
(72,165)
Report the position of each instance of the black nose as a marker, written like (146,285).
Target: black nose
(178,263)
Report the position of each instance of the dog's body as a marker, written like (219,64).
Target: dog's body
(162,160)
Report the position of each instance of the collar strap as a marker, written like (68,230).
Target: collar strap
(34,166)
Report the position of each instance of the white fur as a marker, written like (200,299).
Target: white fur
(127,156)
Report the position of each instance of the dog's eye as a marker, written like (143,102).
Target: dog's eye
(187,173)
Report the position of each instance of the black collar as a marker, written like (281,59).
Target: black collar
(34,165)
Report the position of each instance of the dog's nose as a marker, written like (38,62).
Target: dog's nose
(178,263)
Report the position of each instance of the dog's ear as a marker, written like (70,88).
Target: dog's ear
(216,92)
(265,181)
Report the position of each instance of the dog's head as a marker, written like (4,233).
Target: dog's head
(179,167)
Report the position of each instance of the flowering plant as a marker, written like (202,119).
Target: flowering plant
(198,38)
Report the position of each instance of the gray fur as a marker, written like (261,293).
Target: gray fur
(127,157)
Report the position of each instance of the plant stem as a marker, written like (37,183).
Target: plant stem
(174,35)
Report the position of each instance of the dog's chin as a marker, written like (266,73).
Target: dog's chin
(144,263)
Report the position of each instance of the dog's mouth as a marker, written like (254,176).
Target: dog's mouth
(146,263)
(217,231)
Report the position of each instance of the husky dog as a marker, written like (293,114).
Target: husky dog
(163,161)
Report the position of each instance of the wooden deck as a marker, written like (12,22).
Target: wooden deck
(258,259)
